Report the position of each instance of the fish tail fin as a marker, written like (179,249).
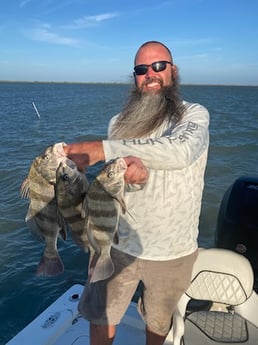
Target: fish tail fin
(103,269)
(50,266)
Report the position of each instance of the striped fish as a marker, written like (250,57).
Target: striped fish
(71,188)
(105,202)
(43,218)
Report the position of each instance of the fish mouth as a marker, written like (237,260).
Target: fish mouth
(67,163)
(122,164)
(71,163)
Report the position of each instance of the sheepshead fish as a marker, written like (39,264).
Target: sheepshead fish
(105,202)
(43,218)
(71,188)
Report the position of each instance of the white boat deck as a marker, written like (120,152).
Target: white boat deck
(61,324)
(220,276)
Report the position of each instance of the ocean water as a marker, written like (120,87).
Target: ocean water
(75,112)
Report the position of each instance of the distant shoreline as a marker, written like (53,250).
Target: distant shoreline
(110,83)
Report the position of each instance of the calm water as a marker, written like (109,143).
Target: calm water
(74,112)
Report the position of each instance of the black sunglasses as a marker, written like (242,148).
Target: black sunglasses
(157,66)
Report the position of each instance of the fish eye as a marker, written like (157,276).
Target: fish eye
(65,177)
(110,174)
(46,157)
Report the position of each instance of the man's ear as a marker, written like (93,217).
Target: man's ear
(134,75)
(174,71)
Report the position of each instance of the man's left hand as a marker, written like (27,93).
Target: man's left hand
(136,172)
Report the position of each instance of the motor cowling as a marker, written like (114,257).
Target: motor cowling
(237,223)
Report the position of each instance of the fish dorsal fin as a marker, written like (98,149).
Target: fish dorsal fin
(119,198)
(84,211)
(124,209)
(25,189)
(123,205)
(130,214)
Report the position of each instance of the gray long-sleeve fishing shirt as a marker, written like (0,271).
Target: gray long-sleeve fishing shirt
(163,217)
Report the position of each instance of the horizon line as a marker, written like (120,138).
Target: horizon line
(113,82)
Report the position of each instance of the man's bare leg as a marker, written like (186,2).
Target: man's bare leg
(102,334)
(154,339)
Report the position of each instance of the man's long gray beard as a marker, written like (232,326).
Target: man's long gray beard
(145,112)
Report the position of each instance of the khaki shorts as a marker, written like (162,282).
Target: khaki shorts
(105,302)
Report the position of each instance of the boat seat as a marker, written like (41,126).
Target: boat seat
(226,279)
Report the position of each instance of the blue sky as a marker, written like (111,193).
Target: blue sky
(212,41)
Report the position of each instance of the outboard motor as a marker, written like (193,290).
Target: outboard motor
(237,224)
